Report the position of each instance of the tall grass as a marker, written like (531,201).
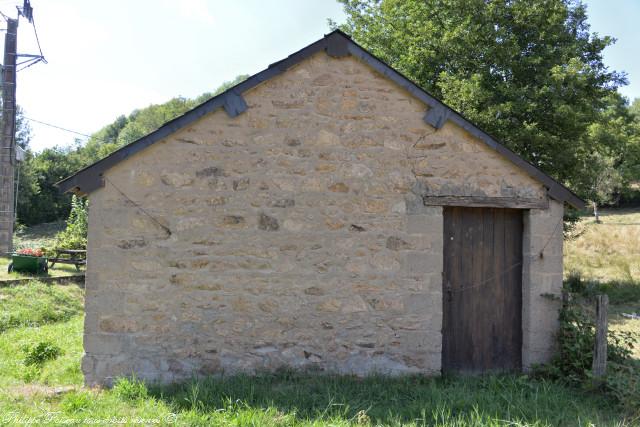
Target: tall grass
(606,252)
(414,400)
(37,304)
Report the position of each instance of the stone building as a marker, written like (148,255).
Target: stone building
(324,214)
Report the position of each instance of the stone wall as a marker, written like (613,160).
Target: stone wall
(294,237)
(542,282)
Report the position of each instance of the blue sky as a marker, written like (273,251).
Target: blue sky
(108,57)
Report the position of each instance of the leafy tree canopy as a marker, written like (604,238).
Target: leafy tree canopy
(529,72)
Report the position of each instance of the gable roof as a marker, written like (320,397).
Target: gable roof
(336,44)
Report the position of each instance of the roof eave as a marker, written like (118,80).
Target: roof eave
(336,44)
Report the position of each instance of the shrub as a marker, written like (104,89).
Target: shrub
(570,219)
(41,353)
(619,291)
(75,235)
(573,363)
(76,402)
(130,389)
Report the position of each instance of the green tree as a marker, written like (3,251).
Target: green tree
(634,109)
(38,198)
(23,129)
(126,129)
(612,157)
(74,236)
(529,72)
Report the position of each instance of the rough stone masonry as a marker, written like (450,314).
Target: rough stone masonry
(296,237)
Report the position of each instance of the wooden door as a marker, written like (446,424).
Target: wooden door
(482,290)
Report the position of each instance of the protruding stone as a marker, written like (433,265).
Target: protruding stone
(209,171)
(314,290)
(357,170)
(267,223)
(292,142)
(339,187)
(216,201)
(327,138)
(334,224)
(132,243)
(282,203)
(322,80)
(232,220)
(241,184)
(329,305)
(375,206)
(325,167)
(176,179)
(396,244)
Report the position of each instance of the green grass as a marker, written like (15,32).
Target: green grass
(606,257)
(37,236)
(413,400)
(65,370)
(53,314)
(38,304)
(608,251)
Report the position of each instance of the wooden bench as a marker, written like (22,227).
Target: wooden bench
(76,257)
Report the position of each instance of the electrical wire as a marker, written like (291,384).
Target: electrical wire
(33,23)
(106,141)
(57,127)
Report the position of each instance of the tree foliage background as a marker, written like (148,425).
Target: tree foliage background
(528,72)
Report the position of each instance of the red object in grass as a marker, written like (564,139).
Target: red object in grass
(30,252)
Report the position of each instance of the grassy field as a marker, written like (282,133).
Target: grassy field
(606,256)
(53,314)
(38,315)
(609,251)
(38,236)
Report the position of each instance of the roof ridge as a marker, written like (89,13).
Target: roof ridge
(336,44)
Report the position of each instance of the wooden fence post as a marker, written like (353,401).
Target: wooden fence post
(600,347)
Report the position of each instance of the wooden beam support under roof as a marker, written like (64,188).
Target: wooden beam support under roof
(486,202)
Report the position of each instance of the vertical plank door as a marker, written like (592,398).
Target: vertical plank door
(482,290)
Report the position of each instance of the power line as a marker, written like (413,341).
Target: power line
(106,141)
(57,127)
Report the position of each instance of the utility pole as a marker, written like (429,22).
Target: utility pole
(7,137)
